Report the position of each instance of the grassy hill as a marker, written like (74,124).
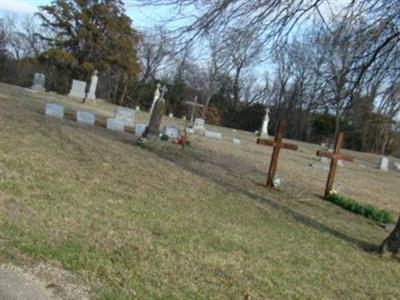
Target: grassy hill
(165,223)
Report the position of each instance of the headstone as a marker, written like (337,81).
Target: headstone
(264,127)
(85,117)
(38,82)
(153,129)
(324,160)
(78,89)
(139,129)
(171,131)
(340,163)
(137,108)
(199,125)
(171,115)
(189,130)
(115,124)
(54,110)
(256,132)
(126,115)
(384,164)
(236,141)
(93,86)
(397,166)
(213,134)
(184,119)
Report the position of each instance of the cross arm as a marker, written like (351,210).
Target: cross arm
(194,104)
(274,144)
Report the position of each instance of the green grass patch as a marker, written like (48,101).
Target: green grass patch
(368,211)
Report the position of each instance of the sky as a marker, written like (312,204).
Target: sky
(143,17)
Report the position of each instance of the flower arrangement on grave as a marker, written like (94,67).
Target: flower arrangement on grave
(142,142)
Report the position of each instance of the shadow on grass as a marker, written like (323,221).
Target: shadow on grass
(305,220)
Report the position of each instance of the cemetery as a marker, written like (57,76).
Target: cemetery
(213,191)
(182,149)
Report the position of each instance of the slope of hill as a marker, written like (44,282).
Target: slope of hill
(165,223)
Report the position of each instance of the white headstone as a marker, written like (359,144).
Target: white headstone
(171,115)
(78,89)
(384,163)
(38,82)
(397,166)
(189,130)
(184,118)
(236,141)
(54,110)
(85,117)
(115,124)
(171,131)
(324,160)
(93,86)
(264,127)
(213,134)
(137,108)
(139,129)
(127,115)
(340,163)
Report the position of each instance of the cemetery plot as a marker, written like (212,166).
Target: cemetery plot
(277,144)
(131,213)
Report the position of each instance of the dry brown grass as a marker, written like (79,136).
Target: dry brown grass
(165,223)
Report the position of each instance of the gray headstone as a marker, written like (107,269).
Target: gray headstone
(127,115)
(397,166)
(199,122)
(384,164)
(93,86)
(137,108)
(153,129)
(236,141)
(115,124)
(171,131)
(139,129)
(54,110)
(212,134)
(38,82)
(85,117)
(78,89)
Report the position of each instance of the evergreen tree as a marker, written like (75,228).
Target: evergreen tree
(88,35)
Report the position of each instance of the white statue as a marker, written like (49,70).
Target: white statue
(156,96)
(264,128)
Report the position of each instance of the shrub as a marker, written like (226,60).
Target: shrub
(368,211)
(164,137)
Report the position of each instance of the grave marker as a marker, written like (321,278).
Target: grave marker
(335,156)
(93,86)
(171,131)
(115,124)
(126,115)
(78,89)
(85,117)
(153,129)
(277,144)
(213,134)
(38,82)
(139,129)
(384,164)
(54,110)
(194,104)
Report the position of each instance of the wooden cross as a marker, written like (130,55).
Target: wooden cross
(194,105)
(277,144)
(334,156)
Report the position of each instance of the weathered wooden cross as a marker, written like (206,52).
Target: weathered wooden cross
(277,144)
(194,104)
(335,156)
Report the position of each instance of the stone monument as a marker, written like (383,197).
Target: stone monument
(155,98)
(93,86)
(38,82)
(78,89)
(264,127)
(153,129)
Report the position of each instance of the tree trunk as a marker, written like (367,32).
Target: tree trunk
(392,243)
